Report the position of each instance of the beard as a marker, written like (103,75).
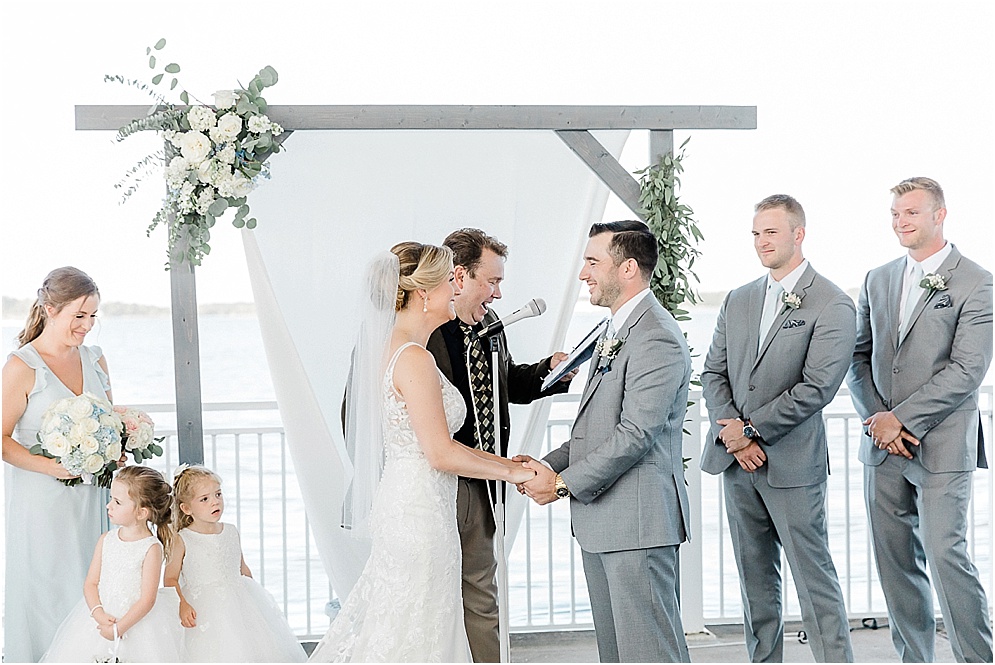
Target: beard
(609,293)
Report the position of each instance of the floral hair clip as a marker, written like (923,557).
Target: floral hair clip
(178,471)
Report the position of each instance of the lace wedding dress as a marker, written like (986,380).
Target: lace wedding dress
(407,605)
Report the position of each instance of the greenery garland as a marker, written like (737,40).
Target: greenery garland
(676,233)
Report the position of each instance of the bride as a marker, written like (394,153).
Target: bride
(400,416)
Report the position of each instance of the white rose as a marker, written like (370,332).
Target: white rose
(75,436)
(93,463)
(89,444)
(242,185)
(57,444)
(176,172)
(79,408)
(144,435)
(113,451)
(206,171)
(50,421)
(110,421)
(90,425)
(195,147)
(201,118)
(229,126)
(259,124)
(225,99)
(227,154)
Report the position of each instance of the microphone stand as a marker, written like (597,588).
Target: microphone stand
(504,635)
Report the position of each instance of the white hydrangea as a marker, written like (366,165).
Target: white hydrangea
(233,184)
(226,155)
(176,172)
(276,128)
(204,201)
(259,124)
(186,201)
(195,147)
(225,99)
(201,118)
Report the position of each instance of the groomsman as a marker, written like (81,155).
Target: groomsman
(479,262)
(781,348)
(924,344)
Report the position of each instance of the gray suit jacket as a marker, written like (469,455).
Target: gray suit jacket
(783,388)
(930,378)
(623,463)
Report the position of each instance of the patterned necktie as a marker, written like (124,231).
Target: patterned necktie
(772,304)
(480,388)
(912,297)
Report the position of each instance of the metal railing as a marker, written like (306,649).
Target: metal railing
(546,579)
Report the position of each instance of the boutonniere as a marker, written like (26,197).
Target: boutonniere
(933,283)
(607,349)
(791,300)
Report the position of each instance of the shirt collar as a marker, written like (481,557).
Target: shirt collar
(622,315)
(789,281)
(931,263)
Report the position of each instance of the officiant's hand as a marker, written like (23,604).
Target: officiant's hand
(555,360)
(542,488)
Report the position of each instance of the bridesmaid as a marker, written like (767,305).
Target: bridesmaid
(51,529)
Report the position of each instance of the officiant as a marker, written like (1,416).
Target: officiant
(479,270)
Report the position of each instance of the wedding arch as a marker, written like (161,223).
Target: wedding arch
(481,166)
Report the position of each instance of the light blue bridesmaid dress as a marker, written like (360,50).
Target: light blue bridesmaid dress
(51,529)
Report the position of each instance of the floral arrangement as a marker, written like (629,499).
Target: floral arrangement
(214,155)
(138,433)
(84,434)
(791,300)
(933,283)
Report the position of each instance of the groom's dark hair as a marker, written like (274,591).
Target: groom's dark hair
(630,240)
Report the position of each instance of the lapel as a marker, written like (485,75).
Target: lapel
(594,379)
(803,284)
(945,270)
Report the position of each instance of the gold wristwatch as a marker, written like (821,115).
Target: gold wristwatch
(561,487)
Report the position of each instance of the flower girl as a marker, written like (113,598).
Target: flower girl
(228,616)
(123,615)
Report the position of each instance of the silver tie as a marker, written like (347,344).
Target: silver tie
(772,305)
(912,298)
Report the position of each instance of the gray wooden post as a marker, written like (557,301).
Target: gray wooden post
(186,361)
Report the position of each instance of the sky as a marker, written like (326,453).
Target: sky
(851,97)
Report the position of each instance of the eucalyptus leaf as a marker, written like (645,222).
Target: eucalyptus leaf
(151,62)
(173,84)
(251,223)
(238,222)
(184,97)
(159,45)
(156,79)
(218,207)
(172,68)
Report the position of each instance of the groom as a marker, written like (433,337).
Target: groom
(622,466)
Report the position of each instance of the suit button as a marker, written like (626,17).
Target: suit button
(753,387)
(894,370)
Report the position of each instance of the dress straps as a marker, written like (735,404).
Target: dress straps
(397,354)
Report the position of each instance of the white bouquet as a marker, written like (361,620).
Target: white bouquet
(84,434)
(138,433)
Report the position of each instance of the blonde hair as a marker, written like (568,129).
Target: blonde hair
(928,185)
(796,214)
(61,287)
(149,490)
(183,486)
(420,267)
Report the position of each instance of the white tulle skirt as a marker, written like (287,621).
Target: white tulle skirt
(156,638)
(239,623)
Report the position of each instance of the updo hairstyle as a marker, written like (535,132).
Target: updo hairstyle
(421,267)
(61,287)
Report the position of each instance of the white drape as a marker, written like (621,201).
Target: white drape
(336,198)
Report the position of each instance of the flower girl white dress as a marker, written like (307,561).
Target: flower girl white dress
(156,638)
(407,605)
(237,620)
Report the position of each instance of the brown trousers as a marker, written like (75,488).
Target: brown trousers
(476,530)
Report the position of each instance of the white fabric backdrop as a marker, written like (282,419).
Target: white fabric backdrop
(338,197)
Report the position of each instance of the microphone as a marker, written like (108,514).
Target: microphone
(534,307)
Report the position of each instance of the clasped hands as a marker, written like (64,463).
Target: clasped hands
(887,433)
(542,488)
(105,623)
(747,452)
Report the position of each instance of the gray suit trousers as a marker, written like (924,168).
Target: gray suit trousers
(762,519)
(641,621)
(480,595)
(918,517)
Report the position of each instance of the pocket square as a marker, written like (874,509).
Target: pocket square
(943,302)
(794,323)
